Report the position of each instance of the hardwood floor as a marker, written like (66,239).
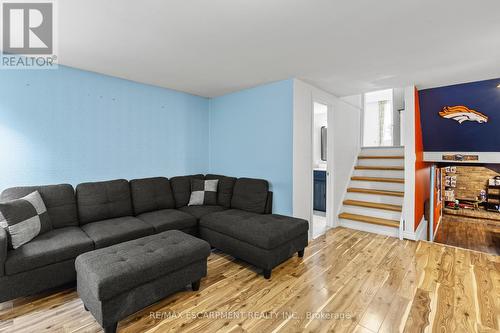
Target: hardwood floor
(481,213)
(348,281)
(470,233)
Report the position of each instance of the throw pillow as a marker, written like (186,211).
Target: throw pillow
(203,192)
(24,219)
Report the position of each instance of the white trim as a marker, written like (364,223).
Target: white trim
(362,121)
(324,98)
(381,147)
(419,234)
(437,227)
(402,222)
(484,157)
(372,228)
(431,200)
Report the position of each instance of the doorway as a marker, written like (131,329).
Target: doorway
(382,118)
(466,206)
(320,169)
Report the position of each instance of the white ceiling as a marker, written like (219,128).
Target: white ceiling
(212,47)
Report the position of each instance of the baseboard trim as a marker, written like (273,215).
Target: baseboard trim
(374,229)
(419,234)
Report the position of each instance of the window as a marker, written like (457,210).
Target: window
(378,119)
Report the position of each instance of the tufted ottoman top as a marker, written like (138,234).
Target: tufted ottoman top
(266,231)
(112,270)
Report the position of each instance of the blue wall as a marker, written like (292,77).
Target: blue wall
(72,126)
(68,125)
(251,134)
(441,134)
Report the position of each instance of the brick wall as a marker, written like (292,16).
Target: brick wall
(472,179)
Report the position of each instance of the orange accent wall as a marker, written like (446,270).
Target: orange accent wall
(422,169)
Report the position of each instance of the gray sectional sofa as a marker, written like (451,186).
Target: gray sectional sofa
(101,214)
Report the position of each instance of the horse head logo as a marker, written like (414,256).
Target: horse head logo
(462,113)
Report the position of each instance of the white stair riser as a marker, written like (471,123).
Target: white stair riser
(377,229)
(379,173)
(372,212)
(385,199)
(381,162)
(377,185)
(382,151)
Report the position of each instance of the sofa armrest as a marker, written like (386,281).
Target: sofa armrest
(269,203)
(3,250)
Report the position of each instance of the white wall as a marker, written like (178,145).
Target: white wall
(302,150)
(410,158)
(354,100)
(343,144)
(347,144)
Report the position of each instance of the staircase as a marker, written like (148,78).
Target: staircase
(374,198)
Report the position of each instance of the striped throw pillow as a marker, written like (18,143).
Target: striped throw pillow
(24,219)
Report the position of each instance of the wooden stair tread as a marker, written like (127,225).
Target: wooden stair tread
(388,168)
(380,157)
(378,179)
(370,219)
(394,208)
(378,192)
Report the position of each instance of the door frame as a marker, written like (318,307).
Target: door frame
(319,97)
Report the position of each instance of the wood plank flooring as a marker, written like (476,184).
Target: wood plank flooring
(470,233)
(348,281)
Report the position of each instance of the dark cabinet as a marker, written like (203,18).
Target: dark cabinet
(319,198)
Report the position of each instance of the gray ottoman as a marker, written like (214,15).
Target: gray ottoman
(264,240)
(119,280)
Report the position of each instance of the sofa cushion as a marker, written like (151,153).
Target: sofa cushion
(150,194)
(203,192)
(111,271)
(265,231)
(224,189)
(181,187)
(200,211)
(103,200)
(49,248)
(58,199)
(250,195)
(108,232)
(169,219)
(24,219)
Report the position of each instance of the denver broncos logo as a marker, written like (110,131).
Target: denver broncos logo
(462,113)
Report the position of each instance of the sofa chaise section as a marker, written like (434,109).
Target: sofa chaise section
(262,240)
(48,260)
(106,214)
(248,233)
